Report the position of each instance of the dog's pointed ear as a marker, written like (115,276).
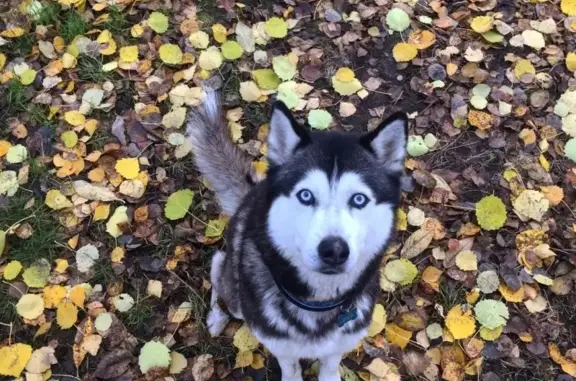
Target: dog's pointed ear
(388,141)
(285,134)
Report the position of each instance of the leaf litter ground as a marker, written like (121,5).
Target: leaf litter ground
(106,229)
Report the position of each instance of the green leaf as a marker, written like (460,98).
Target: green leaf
(231,50)
(491,313)
(570,149)
(17,154)
(493,37)
(215,228)
(266,79)
(491,213)
(276,27)
(158,22)
(319,119)
(416,146)
(178,204)
(284,68)
(37,275)
(8,183)
(397,20)
(401,271)
(153,354)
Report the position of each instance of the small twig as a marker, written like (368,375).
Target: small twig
(186,284)
(66,375)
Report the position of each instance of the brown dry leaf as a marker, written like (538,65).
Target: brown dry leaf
(431,276)
(480,119)
(417,243)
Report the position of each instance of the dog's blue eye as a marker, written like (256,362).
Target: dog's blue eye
(358,200)
(305,197)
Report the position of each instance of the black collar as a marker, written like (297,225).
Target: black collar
(348,312)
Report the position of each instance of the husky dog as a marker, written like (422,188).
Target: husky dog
(304,244)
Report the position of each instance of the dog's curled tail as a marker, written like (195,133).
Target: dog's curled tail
(228,170)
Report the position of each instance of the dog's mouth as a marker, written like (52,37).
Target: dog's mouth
(331,270)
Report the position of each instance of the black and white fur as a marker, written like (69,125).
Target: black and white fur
(274,238)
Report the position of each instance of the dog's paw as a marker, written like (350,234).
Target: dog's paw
(217,321)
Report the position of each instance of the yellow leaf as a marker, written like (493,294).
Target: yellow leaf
(567,365)
(117,255)
(107,43)
(378,320)
(422,39)
(397,336)
(128,168)
(259,361)
(61,266)
(219,32)
(75,118)
(56,200)
(4,147)
(199,39)
(401,220)
(482,24)
(523,67)
(210,59)
(66,315)
(431,275)
(78,296)
(101,212)
(30,306)
(511,295)
(345,74)
(170,54)
(120,216)
(531,204)
(244,340)
(12,269)
(553,193)
(12,32)
(490,334)
(568,7)
(14,358)
(466,260)
(244,359)
(404,52)
(460,324)
(53,295)
(28,76)
(70,138)
(136,31)
(129,53)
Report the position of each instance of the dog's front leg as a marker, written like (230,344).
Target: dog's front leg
(291,370)
(329,368)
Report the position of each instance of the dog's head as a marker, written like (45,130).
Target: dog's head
(333,196)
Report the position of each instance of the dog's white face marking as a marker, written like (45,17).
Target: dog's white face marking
(297,229)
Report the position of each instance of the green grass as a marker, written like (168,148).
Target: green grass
(117,23)
(256,113)
(49,14)
(18,47)
(450,295)
(103,272)
(39,114)
(8,312)
(13,101)
(90,69)
(231,87)
(72,25)
(100,138)
(42,242)
(138,316)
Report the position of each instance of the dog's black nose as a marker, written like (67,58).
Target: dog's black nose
(333,251)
